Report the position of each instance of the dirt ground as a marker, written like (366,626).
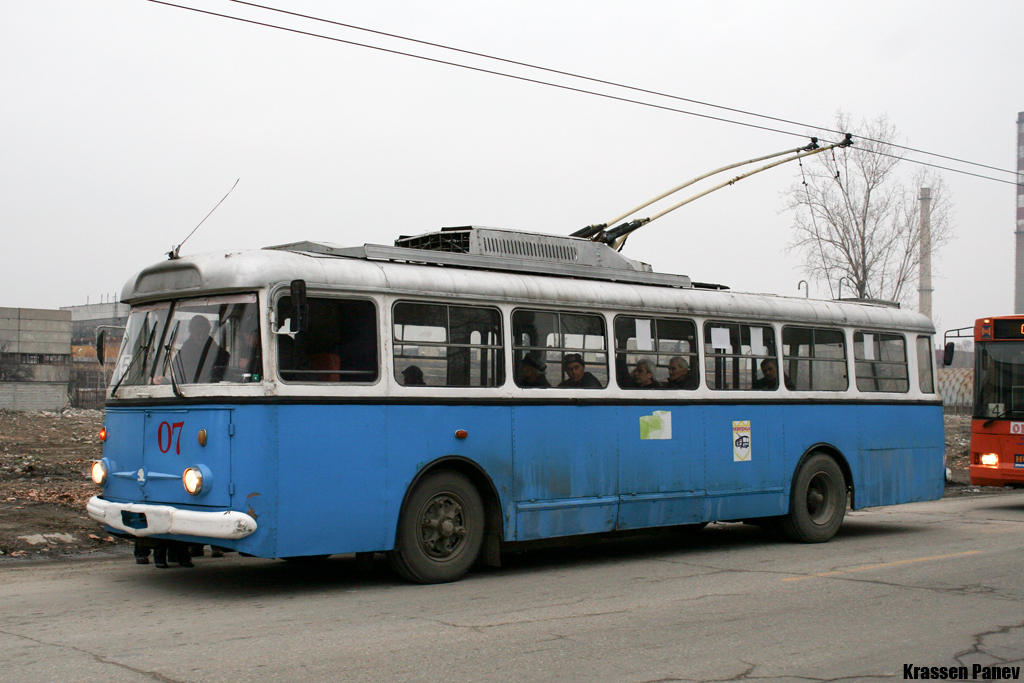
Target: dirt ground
(44,482)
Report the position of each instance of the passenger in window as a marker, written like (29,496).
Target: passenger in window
(576,375)
(679,375)
(769,380)
(643,374)
(412,376)
(531,373)
(202,359)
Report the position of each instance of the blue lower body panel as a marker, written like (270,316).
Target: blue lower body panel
(332,478)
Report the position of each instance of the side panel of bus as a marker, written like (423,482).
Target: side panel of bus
(419,435)
(661,474)
(901,454)
(332,469)
(566,470)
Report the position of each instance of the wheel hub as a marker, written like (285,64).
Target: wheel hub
(442,527)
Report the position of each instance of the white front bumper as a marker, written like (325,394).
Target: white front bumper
(165,519)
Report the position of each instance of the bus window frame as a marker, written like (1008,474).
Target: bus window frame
(811,359)
(757,358)
(563,350)
(694,357)
(854,331)
(393,342)
(283,291)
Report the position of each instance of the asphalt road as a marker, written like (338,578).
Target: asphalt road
(931,584)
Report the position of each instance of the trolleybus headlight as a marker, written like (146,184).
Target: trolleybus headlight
(989,459)
(193,480)
(99,472)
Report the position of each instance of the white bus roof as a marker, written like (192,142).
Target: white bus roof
(417,272)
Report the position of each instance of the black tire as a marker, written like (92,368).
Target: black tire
(818,502)
(440,529)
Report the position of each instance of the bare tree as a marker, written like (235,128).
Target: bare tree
(855,218)
(10,369)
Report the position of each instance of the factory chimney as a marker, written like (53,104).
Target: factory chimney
(1018,280)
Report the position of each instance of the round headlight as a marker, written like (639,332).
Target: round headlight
(193,480)
(99,472)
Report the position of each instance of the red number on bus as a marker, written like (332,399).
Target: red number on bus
(176,427)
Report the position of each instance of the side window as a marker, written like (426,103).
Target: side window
(664,349)
(925,360)
(814,359)
(881,362)
(566,350)
(447,346)
(738,356)
(340,344)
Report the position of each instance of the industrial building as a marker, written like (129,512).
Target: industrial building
(35,358)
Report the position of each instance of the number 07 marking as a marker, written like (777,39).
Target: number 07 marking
(171,428)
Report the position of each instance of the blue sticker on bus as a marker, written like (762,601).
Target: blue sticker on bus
(1018,460)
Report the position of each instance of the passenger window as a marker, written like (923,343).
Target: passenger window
(740,357)
(340,344)
(880,361)
(814,359)
(925,361)
(548,344)
(668,346)
(447,346)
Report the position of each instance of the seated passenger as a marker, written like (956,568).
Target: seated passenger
(643,375)
(412,376)
(531,373)
(769,380)
(202,360)
(576,375)
(679,375)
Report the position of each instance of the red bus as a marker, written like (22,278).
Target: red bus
(997,427)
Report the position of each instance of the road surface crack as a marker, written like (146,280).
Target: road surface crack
(156,676)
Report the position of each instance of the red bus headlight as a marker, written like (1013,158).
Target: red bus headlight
(988,459)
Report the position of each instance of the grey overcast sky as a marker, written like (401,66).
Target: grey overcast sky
(122,123)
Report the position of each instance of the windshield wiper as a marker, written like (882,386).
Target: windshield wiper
(170,357)
(143,354)
(1005,413)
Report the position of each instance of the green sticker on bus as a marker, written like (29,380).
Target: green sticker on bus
(656,426)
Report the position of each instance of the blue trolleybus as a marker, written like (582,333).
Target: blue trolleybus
(442,398)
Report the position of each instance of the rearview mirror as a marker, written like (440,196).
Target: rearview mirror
(300,309)
(99,346)
(947,354)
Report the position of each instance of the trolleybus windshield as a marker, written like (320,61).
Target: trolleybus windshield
(999,379)
(192,341)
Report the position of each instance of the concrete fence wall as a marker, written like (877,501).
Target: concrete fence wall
(33,395)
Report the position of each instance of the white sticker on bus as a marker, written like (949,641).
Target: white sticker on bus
(656,426)
(741,441)
(1017,427)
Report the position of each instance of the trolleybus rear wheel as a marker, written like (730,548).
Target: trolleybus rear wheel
(818,501)
(440,529)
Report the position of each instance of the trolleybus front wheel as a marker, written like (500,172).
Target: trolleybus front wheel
(440,529)
(818,501)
